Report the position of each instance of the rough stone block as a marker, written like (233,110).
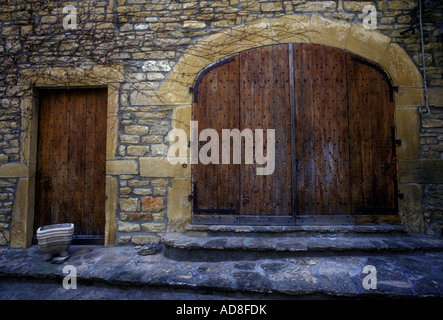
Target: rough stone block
(129,205)
(179,206)
(410,97)
(290,29)
(411,207)
(162,168)
(137,150)
(111,210)
(370,44)
(408,127)
(152,204)
(128,227)
(141,130)
(140,240)
(329,32)
(401,68)
(153,227)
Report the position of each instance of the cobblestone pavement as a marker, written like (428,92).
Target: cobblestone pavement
(396,276)
(45,289)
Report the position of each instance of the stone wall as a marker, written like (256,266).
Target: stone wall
(7,192)
(147,39)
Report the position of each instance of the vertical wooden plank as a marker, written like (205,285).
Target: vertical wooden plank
(304,127)
(342,136)
(355,139)
(60,155)
(281,111)
(76,158)
(89,105)
(248,97)
(320,181)
(321,130)
(44,161)
(293,136)
(228,174)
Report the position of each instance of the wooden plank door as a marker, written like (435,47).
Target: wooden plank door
(70,179)
(373,159)
(333,116)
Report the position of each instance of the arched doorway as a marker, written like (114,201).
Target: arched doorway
(332,113)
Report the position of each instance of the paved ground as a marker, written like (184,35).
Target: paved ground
(46,289)
(157,277)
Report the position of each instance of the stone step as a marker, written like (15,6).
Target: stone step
(297,230)
(186,247)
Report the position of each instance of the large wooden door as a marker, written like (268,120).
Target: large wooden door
(70,179)
(333,116)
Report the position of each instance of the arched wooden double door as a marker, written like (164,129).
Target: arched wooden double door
(332,113)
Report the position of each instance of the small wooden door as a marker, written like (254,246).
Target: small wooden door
(335,146)
(70,179)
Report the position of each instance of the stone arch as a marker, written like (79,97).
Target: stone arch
(354,38)
(369,44)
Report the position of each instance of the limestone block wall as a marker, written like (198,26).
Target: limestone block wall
(148,54)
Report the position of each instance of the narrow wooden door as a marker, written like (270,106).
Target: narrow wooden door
(70,179)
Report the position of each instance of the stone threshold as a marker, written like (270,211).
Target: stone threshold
(296,230)
(188,247)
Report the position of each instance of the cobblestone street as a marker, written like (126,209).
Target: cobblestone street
(31,289)
(417,275)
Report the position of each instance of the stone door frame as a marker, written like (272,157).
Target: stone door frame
(23,210)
